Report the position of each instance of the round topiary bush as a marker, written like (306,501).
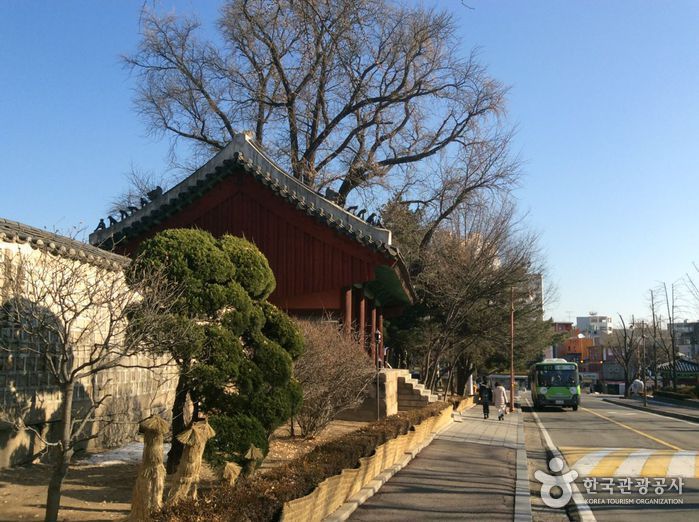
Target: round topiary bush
(234,435)
(280,327)
(237,364)
(192,259)
(252,269)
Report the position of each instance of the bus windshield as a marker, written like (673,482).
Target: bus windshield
(561,376)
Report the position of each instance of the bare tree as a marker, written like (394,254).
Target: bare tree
(139,184)
(345,92)
(666,339)
(660,335)
(623,343)
(334,372)
(464,278)
(79,319)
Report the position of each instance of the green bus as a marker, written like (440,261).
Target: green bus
(555,382)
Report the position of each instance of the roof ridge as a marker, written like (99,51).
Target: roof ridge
(244,150)
(38,238)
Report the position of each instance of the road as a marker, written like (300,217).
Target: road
(607,445)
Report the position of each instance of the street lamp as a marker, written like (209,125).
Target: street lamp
(377,345)
(512,349)
(643,362)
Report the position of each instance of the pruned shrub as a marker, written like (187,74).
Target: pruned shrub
(683,392)
(262,497)
(252,269)
(234,366)
(334,372)
(235,434)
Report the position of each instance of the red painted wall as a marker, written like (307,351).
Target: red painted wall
(311,262)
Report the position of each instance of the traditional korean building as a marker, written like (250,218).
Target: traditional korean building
(686,371)
(326,260)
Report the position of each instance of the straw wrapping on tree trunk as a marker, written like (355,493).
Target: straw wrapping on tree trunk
(187,476)
(148,490)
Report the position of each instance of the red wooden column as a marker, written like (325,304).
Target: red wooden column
(362,321)
(348,312)
(382,355)
(372,337)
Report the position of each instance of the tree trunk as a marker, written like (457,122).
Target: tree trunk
(447,388)
(461,378)
(178,423)
(61,455)
(655,365)
(673,368)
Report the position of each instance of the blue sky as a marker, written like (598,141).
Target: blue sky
(605,96)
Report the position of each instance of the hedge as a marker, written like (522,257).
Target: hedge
(673,395)
(262,497)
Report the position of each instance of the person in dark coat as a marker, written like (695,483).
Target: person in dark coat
(485,395)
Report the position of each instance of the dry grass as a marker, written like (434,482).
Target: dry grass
(102,493)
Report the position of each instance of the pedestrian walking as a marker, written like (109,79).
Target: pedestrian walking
(500,400)
(485,395)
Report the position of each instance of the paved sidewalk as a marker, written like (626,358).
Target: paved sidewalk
(676,411)
(470,471)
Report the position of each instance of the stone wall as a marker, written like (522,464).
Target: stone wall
(387,403)
(28,392)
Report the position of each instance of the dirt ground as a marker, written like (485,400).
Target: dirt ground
(100,492)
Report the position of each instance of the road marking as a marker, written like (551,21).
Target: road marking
(683,464)
(608,465)
(589,461)
(632,462)
(584,511)
(654,439)
(656,465)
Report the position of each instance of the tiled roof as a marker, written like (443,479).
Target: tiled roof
(243,153)
(683,365)
(15,232)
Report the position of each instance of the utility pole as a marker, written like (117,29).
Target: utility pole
(512,349)
(378,343)
(643,362)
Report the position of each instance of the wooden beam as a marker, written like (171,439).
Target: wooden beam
(382,355)
(362,321)
(348,312)
(372,335)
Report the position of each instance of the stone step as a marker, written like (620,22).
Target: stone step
(409,392)
(412,405)
(416,390)
(422,400)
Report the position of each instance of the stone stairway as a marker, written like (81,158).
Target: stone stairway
(412,394)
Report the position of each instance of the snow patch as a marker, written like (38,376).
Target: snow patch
(128,454)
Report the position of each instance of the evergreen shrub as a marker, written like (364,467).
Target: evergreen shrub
(237,364)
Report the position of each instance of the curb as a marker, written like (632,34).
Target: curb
(523,507)
(345,510)
(689,418)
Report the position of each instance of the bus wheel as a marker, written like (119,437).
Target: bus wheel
(575,407)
